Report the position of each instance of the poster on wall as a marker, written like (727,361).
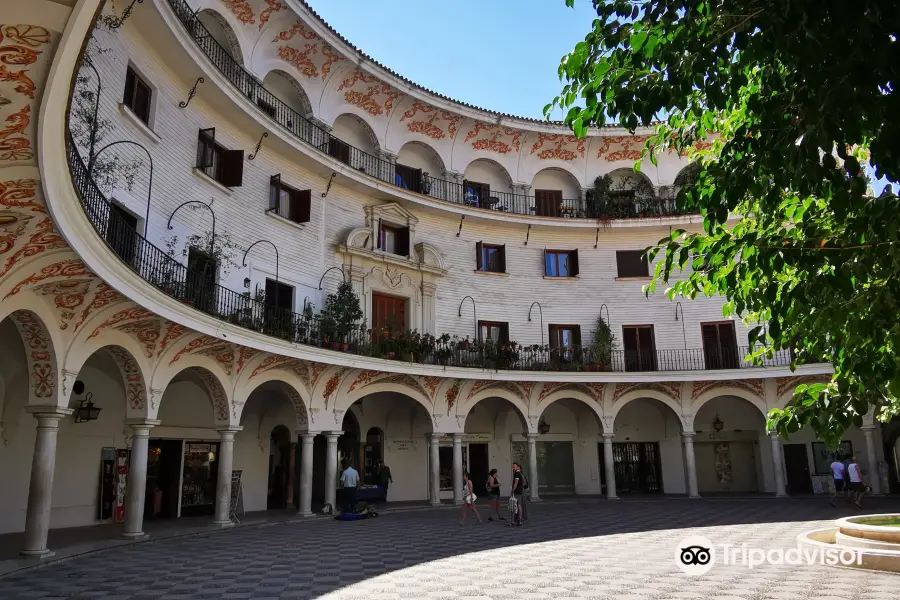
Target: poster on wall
(107,483)
(121,481)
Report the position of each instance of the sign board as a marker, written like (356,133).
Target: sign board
(403,445)
(121,470)
(469,438)
(237,497)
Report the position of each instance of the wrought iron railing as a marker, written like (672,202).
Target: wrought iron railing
(199,290)
(383,170)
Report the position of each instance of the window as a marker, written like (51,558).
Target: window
(632,263)
(640,347)
(476,194)
(408,178)
(285,201)
(339,149)
(720,345)
(823,457)
(393,239)
(547,202)
(561,263)
(493,330)
(201,280)
(279,303)
(225,166)
(565,342)
(137,95)
(490,257)
(121,232)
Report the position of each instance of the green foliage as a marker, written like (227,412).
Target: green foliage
(342,312)
(603,343)
(781,104)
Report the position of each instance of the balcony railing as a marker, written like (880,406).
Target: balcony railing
(202,293)
(386,171)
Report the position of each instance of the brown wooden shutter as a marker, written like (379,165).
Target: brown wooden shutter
(128,99)
(630,339)
(504,333)
(205,142)
(402,242)
(576,335)
(545,263)
(503,259)
(573,263)
(274,192)
(554,336)
(232,168)
(301,206)
(479,256)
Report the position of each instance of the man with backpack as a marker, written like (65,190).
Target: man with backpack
(517,497)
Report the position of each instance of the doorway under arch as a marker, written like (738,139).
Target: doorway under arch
(373,453)
(279,467)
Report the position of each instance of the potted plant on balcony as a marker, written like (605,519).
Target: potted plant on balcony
(602,347)
(340,316)
(304,324)
(443,351)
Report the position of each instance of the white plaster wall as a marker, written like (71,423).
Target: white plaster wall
(484,171)
(284,90)
(352,130)
(554,179)
(419,156)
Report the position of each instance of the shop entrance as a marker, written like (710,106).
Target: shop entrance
(163,476)
(373,452)
(198,482)
(636,466)
(279,461)
(796,466)
(478,467)
(555,464)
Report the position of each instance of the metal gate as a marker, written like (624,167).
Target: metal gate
(637,467)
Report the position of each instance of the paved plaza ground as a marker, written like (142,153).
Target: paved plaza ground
(580,549)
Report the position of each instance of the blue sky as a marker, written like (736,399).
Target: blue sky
(497,54)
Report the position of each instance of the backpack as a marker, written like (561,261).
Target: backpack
(487,485)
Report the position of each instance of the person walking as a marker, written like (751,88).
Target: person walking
(383,479)
(517,497)
(469,498)
(857,489)
(493,490)
(837,471)
(350,481)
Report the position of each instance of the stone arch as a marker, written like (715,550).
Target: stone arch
(503,175)
(223,28)
(363,131)
(727,390)
(623,179)
(210,376)
(582,397)
(686,420)
(422,155)
(568,173)
(131,370)
(686,176)
(83,347)
(291,393)
(345,401)
(288,89)
(529,420)
(41,358)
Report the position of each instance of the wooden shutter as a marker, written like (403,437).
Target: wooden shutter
(128,98)
(631,263)
(546,202)
(274,192)
(573,263)
(232,168)
(630,339)
(402,241)
(301,206)
(479,256)
(554,336)
(502,252)
(205,142)
(546,273)
(645,338)
(576,333)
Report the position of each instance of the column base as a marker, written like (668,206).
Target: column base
(697,497)
(134,536)
(306,514)
(612,497)
(782,495)
(535,499)
(39,554)
(436,504)
(457,502)
(222,524)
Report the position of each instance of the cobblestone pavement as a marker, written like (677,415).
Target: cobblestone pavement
(587,549)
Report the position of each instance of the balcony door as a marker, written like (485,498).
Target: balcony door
(121,233)
(388,313)
(720,345)
(640,349)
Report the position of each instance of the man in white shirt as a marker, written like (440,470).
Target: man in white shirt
(837,470)
(855,483)
(349,481)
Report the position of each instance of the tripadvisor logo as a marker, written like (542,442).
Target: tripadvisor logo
(696,555)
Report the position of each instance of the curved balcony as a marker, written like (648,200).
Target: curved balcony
(598,205)
(158,268)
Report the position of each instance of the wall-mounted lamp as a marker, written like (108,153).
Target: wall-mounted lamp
(247,282)
(543,427)
(86,410)
(718,425)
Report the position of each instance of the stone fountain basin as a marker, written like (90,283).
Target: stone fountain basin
(881,531)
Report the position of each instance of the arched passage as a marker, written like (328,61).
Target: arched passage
(647,446)
(495,427)
(566,419)
(731,447)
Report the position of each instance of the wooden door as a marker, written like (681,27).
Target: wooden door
(388,312)
(796,466)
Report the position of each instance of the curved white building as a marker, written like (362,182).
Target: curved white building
(169,265)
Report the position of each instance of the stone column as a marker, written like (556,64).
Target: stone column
(532,467)
(40,490)
(435,479)
(136,490)
(457,468)
(609,466)
(873,478)
(690,464)
(225,461)
(292,478)
(306,474)
(778,465)
(331,458)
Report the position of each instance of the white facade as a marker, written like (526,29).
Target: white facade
(162,370)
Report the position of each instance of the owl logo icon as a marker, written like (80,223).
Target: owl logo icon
(695,555)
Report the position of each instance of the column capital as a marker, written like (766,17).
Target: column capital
(531,437)
(688,435)
(458,437)
(227,432)
(332,435)
(307,435)
(608,436)
(774,435)
(865,428)
(48,412)
(141,423)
